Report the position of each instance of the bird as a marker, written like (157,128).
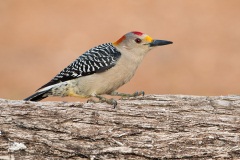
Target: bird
(101,70)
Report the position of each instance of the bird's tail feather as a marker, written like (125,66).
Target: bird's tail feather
(38,96)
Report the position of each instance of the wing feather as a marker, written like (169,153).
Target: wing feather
(95,60)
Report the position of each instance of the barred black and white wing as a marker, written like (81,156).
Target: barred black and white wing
(95,60)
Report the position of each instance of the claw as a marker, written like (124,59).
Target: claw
(135,94)
(92,100)
(141,93)
(102,100)
(124,95)
(113,102)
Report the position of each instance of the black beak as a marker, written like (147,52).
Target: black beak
(159,43)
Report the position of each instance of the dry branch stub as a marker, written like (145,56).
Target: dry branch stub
(149,127)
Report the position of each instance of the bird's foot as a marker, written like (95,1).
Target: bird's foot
(92,100)
(102,99)
(125,95)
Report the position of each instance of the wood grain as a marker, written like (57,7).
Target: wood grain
(150,127)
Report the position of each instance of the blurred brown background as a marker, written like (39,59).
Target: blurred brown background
(38,38)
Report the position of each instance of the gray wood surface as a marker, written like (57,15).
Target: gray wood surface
(149,127)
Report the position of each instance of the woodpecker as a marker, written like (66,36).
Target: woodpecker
(101,70)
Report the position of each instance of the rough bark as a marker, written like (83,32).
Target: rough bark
(150,127)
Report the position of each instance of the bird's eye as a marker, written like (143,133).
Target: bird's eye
(138,40)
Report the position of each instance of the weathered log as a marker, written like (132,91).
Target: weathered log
(150,127)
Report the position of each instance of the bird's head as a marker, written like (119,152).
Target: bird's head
(138,42)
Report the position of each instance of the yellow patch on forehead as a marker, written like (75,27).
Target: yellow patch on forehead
(148,38)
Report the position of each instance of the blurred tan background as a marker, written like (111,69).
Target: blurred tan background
(38,38)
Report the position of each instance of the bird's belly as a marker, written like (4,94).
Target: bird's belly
(109,80)
(103,83)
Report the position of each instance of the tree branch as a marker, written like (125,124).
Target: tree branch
(150,127)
